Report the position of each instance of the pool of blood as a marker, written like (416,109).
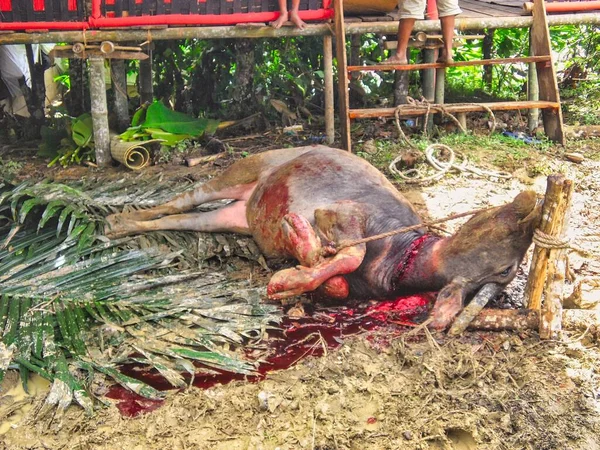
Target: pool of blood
(320,330)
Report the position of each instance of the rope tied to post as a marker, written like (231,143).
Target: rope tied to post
(544,240)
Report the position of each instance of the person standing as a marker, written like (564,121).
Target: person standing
(291,15)
(412,10)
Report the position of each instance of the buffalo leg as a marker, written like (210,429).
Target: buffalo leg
(236,183)
(231,218)
(303,244)
(341,221)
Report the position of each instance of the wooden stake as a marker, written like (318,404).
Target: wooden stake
(558,194)
(328,80)
(99,111)
(550,320)
(342,63)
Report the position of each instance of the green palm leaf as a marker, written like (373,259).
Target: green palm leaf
(74,304)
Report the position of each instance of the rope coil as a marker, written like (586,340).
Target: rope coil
(414,175)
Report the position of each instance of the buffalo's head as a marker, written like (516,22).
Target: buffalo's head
(487,250)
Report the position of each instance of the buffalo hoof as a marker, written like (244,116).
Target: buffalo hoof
(118,226)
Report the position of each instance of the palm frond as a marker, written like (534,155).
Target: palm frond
(74,304)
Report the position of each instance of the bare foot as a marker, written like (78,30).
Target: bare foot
(283,18)
(296,20)
(396,59)
(445,57)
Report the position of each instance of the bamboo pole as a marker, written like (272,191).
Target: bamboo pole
(556,200)
(118,77)
(342,66)
(550,320)
(99,111)
(146,87)
(321,29)
(428,84)
(533,92)
(329,97)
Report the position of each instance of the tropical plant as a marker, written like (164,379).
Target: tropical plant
(171,127)
(75,305)
(69,141)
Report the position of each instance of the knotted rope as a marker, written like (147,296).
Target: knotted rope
(544,240)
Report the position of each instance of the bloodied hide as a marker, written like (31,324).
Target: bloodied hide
(301,203)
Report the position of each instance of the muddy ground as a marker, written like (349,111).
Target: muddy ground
(417,391)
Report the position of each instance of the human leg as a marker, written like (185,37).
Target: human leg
(446,53)
(405,28)
(294,15)
(283,15)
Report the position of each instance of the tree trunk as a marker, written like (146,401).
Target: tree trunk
(78,98)
(118,77)
(36,96)
(244,101)
(488,45)
(401,87)
(145,78)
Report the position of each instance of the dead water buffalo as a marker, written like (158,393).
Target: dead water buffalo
(302,202)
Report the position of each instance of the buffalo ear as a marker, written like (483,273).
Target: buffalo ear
(448,304)
(528,209)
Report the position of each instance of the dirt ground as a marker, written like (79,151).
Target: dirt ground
(418,391)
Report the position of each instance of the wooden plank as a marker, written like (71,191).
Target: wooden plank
(466,13)
(410,110)
(342,63)
(475,62)
(482,9)
(548,86)
(493,8)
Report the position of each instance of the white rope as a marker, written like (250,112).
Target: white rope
(442,167)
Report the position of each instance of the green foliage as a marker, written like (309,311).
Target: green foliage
(74,305)
(159,122)
(579,79)
(9,168)
(68,141)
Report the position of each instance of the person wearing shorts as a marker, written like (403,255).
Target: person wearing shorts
(413,10)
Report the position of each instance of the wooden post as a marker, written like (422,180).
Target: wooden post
(428,80)
(440,85)
(401,82)
(486,47)
(533,92)
(556,203)
(328,81)
(146,86)
(118,76)
(550,319)
(355,49)
(548,86)
(462,118)
(429,75)
(342,63)
(99,111)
